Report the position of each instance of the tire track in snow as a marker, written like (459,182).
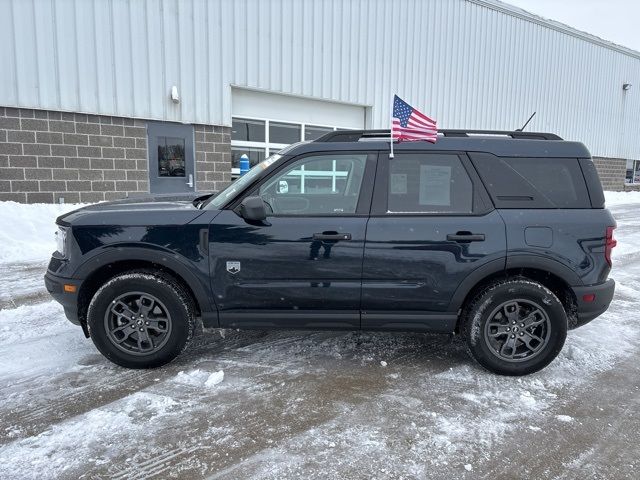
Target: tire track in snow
(55,394)
(155,466)
(22,284)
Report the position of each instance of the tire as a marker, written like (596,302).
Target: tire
(141,319)
(508,348)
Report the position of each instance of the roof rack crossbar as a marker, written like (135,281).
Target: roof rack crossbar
(356,135)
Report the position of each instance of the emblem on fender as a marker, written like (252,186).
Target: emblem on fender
(233,267)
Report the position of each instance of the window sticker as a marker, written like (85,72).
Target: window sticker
(435,185)
(399,183)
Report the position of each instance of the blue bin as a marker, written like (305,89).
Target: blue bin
(244,164)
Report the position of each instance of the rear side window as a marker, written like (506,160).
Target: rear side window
(533,182)
(428,183)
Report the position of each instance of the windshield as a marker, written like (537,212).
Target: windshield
(240,184)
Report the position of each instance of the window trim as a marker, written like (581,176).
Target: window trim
(267,146)
(363,205)
(634,164)
(481,203)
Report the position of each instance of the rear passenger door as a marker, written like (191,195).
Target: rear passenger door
(432,224)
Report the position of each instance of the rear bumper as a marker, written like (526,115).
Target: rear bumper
(588,310)
(68,300)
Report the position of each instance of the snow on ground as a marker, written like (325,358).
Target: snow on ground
(285,404)
(613,199)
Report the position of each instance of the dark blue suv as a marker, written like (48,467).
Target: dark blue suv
(501,237)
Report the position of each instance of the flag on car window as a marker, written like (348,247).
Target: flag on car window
(410,125)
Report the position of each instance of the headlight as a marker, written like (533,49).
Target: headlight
(61,241)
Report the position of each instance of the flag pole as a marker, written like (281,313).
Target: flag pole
(391,134)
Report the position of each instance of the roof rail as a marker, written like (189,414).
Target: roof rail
(357,135)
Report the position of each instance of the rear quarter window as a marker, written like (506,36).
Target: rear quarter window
(517,182)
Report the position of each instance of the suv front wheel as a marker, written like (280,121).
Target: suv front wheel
(141,319)
(515,327)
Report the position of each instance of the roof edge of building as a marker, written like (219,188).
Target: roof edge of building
(518,12)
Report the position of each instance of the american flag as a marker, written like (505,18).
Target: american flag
(410,125)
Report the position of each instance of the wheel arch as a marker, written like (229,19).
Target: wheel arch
(96,271)
(549,273)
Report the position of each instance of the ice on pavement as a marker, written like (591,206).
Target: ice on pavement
(289,404)
(200,378)
(564,418)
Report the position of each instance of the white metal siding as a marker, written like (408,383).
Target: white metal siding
(468,63)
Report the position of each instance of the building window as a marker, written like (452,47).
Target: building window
(171,161)
(311,132)
(256,155)
(284,132)
(633,171)
(259,138)
(248,130)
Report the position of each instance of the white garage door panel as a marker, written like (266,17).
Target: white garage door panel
(286,108)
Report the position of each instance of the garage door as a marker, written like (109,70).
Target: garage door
(264,123)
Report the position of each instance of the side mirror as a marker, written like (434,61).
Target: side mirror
(253,209)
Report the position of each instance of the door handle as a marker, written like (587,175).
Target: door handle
(465,237)
(332,236)
(190,182)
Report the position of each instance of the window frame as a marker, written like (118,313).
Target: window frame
(635,166)
(269,147)
(513,190)
(363,205)
(481,202)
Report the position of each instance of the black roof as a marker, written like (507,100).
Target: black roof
(499,143)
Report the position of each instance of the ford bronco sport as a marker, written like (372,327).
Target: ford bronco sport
(501,237)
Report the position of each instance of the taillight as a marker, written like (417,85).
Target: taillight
(610,242)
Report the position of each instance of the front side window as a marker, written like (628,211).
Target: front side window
(316,185)
(428,183)
(232,190)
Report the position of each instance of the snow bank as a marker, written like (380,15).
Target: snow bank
(621,198)
(27,233)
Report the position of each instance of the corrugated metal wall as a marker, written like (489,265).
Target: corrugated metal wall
(465,62)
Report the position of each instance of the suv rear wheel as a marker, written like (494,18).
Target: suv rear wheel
(141,319)
(515,327)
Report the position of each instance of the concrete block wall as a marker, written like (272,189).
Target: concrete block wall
(213,157)
(46,155)
(612,172)
(49,155)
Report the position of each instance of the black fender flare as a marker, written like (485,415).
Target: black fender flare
(154,254)
(473,279)
(493,267)
(547,264)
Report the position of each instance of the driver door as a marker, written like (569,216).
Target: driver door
(302,267)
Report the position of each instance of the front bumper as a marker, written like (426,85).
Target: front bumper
(68,300)
(588,310)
